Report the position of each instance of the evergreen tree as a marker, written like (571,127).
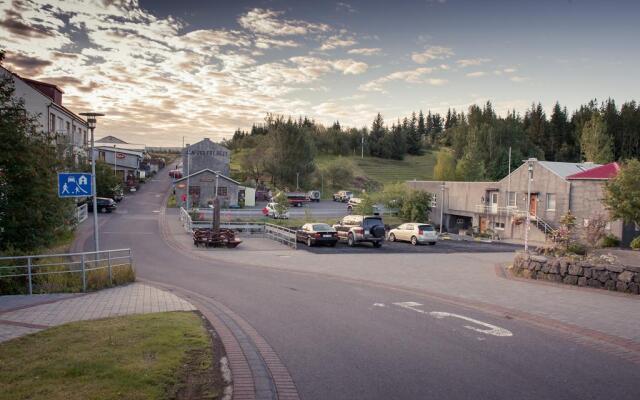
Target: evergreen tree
(421,128)
(535,125)
(376,137)
(414,139)
(595,143)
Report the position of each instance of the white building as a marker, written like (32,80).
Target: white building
(44,102)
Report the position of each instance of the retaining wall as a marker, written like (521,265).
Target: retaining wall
(579,272)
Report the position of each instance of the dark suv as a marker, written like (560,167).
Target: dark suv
(361,228)
(104,204)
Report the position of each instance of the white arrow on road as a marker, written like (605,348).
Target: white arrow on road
(491,329)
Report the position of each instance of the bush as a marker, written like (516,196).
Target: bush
(577,248)
(635,243)
(610,241)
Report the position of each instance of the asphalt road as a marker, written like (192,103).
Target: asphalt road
(346,340)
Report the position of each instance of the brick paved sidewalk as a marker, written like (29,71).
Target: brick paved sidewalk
(34,313)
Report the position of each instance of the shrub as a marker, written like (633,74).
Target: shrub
(635,243)
(577,248)
(610,241)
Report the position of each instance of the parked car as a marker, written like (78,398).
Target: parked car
(314,195)
(414,232)
(317,233)
(175,174)
(117,194)
(270,211)
(297,199)
(104,205)
(361,228)
(354,201)
(342,196)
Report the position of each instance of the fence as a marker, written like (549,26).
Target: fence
(280,234)
(33,267)
(82,213)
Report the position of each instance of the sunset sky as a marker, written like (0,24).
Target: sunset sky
(164,69)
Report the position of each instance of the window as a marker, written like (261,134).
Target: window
(68,128)
(551,202)
(102,156)
(434,200)
(498,226)
(60,126)
(222,191)
(512,199)
(52,122)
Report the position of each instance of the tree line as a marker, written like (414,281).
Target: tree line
(477,141)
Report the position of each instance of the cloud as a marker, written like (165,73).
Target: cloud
(317,66)
(14,23)
(470,62)
(269,22)
(336,41)
(432,53)
(518,79)
(417,75)
(345,7)
(26,65)
(366,51)
(476,74)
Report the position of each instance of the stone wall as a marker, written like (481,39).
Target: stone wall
(580,272)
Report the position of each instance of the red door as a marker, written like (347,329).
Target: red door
(533,205)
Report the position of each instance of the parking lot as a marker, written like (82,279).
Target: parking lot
(443,246)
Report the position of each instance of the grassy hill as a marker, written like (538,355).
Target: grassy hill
(388,171)
(378,169)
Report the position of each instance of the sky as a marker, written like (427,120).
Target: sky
(162,70)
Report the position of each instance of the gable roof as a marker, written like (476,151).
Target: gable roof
(213,172)
(604,172)
(111,139)
(119,150)
(564,169)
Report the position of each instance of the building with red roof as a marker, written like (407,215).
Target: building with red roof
(603,172)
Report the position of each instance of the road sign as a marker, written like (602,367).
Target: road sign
(74,184)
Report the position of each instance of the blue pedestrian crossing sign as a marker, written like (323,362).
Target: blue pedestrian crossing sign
(74,184)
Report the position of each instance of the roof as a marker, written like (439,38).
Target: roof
(111,139)
(36,82)
(564,169)
(211,171)
(606,171)
(118,150)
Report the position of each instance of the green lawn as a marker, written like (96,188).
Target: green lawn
(150,356)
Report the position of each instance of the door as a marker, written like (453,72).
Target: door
(494,202)
(407,232)
(533,204)
(483,224)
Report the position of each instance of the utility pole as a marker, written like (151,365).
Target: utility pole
(362,148)
(442,187)
(91,122)
(188,178)
(297,176)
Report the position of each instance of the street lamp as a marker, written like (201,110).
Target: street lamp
(530,178)
(442,187)
(91,123)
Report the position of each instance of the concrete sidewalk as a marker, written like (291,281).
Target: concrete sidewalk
(21,315)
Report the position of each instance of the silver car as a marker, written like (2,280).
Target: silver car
(414,232)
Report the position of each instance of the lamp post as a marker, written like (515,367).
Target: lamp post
(530,178)
(442,187)
(188,173)
(297,177)
(91,123)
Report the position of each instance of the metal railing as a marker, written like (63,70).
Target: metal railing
(545,227)
(489,209)
(280,234)
(32,267)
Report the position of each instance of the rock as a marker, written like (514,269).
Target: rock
(582,281)
(626,276)
(555,278)
(637,278)
(595,283)
(610,285)
(614,275)
(621,286)
(598,267)
(563,267)
(545,268)
(632,268)
(575,269)
(570,280)
(615,268)
(541,276)
(603,276)
(554,268)
(540,259)
(526,273)
(634,288)
(587,272)
(538,266)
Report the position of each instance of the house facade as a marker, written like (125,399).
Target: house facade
(125,163)
(502,206)
(205,155)
(203,186)
(44,102)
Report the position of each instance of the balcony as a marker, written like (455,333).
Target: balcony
(503,211)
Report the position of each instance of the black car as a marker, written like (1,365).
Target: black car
(317,234)
(104,205)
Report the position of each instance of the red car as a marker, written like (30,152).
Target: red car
(175,174)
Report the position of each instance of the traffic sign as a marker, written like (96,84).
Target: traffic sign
(74,184)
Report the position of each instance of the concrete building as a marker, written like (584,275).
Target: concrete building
(556,188)
(202,189)
(44,102)
(112,141)
(205,155)
(125,163)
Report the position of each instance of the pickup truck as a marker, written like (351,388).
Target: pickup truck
(343,196)
(297,199)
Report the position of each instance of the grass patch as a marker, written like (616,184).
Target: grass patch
(150,356)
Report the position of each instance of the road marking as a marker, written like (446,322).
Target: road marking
(379,305)
(492,329)
(156,211)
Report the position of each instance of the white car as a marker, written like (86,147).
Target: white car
(270,211)
(414,232)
